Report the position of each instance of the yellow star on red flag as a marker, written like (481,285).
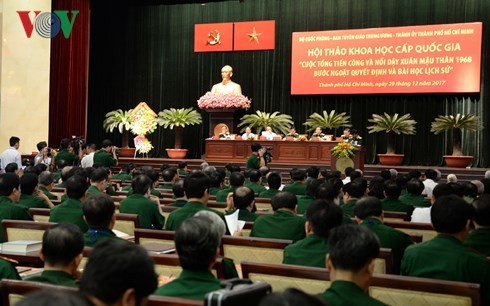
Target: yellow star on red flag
(254,36)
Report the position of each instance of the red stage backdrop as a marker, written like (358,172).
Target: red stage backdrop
(213,37)
(432,58)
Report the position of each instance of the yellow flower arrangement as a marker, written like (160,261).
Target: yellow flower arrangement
(343,150)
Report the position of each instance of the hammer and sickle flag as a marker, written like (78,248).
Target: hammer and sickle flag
(213,37)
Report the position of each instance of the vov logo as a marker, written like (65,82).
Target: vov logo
(48,24)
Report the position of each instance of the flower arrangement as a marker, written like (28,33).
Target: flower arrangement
(218,100)
(301,138)
(343,150)
(143,145)
(252,137)
(143,122)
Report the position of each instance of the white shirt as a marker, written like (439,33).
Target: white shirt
(88,160)
(38,159)
(11,155)
(245,136)
(429,186)
(269,135)
(346,180)
(421,214)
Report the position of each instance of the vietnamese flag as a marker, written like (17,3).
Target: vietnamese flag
(213,37)
(254,35)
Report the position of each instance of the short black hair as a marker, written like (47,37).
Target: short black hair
(11,168)
(254,175)
(13,140)
(352,246)
(98,210)
(348,170)
(470,190)
(196,243)
(243,197)
(450,214)
(128,168)
(274,180)
(456,189)
(140,184)
(8,182)
(355,175)
(431,174)
(385,174)
(482,210)
(237,179)
(178,188)
(28,183)
(115,265)
(196,184)
(182,165)
(441,189)
(284,199)
(414,174)
(311,187)
(368,207)
(298,174)
(256,147)
(415,187)
(354,189)
(65,143)
(41,145)
(392,189)
(215,179)
(169,174)
(327,191)
(98,175)
(106,143)
(152,174)
(62,243)
(323,215)
(376,187)
(313,172)
(76,186)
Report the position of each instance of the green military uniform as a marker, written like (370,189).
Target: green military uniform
(178,203)
(283,224)
(11,211)
(245,215)
(190,285)
(166,186)
(55,278)
(57,176)
(296,188)
(93,190)
(7,270)
(256,188)
(180,215)
(445,257)
(268,194)
(414,200)
(127,188)
(123,176)
(182,172)
(389,238)
(223,194)
(153,192)
(69,211)
(31,201)
(343,293)
(479,240)
(47,193)
(214,190)
(69,157)
(295,135)
(396,205)
(303,202)
(253,162)
(148,211)
(92,236)
(110,190)
(310,251)
(348,207)
(229,268)
(105,159)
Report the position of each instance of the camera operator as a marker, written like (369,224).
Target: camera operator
(67,154)
(44,155)
(106,157)
(256,160)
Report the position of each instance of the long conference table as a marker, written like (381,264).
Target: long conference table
(283,152)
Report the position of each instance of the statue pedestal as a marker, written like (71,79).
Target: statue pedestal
(221,115)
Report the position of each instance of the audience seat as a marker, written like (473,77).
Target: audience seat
(254,249)
(12,291)
(127,223)
(424,229)
(14,230)
(40,214)
(144,236)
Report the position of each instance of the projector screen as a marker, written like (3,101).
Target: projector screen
(432,58)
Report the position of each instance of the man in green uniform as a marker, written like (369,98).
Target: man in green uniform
(98,181)
(9,196)
(256,159)
(243,199)
(62,252)
(30,196)
(414,194)
(255,181)
(197,244)
(392,192)
(305,200)
(283,223)
(479,238)
(353,191)
(369,213)
(179,194)
(46,184)
(216,182)
(351,266)
(148,211)
(321,217)
(274,183)
(98,211)
(8,270)
(445,257)
(125,174)
(183,170)
(196,186)
(237,179)
(169,175)
(70,210)
(298,186)
(118,273)
(106,157)
(66,153)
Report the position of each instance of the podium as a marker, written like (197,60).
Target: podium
(357,161)
(221,115)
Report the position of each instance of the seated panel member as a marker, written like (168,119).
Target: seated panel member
(321,217)
(62,252)
(99,212)
(355,139)
(274,183)
(479,238)
(318,134)
(197,242)
(268,133)
(248,135)
(292,133)
(148,211)
(225,133)
(283,223)
(351,266)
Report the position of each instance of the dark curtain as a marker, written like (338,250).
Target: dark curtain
(144,52)
(69,75)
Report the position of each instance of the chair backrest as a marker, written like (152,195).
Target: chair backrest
(40,214)
(12,291)
(144,236)
(157,300)
(166,210)
(395,216)
(424,229)
(393,290)
(127,223)
(384,263)
(254,249)
(169,265)
(24,230)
